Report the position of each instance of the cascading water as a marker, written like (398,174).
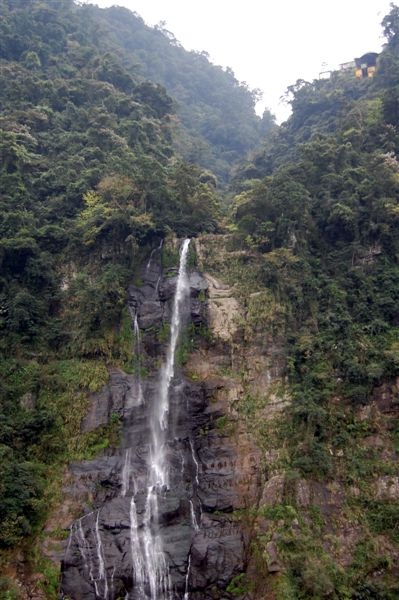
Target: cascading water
(193,516)
(148,266)
(84,548)
(137,395)
(137,353)
(186,596)
(95,570)
(195,461)
(155,561)
(147,470)
(148,558)
(159,418)
(102,578)
(162,527)
(126,472)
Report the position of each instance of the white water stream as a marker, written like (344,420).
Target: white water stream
(150,569)
(101,564)
(148,558)
(186,596)
(195,461)
(126,473)
(137,352)
(152,254)
(96,572)
(158,479)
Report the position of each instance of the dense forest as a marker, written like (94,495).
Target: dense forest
(319,203)
(114,137)
(215,111)
(88,176)
(214,119)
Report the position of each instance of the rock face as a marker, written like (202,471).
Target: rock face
(203,543)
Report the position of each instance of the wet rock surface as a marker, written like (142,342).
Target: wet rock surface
(204,543)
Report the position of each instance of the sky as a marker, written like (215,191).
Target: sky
(270,44)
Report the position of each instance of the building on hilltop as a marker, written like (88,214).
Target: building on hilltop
(366,65)
(363,67)
(346,66)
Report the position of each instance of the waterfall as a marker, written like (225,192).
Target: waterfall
(111,585)
(137,397)
(135,542)
(136,549)
(183,463)
(152,254)
(126,473)
(195,461)
(100,558)
(71,533)
(149,563)
(194,521)
(137,353)
(96,576)
(156,567)
(84,548)
(168,370)
(186,596)
(148,559)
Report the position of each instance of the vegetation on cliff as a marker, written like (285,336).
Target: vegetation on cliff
(89,181)
(96,169)
(318,208)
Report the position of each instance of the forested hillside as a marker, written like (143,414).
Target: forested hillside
(215,121)
(112,141)
(318,209)
(216,111)
(88,178)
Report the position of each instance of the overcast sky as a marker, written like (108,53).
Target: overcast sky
(271,44)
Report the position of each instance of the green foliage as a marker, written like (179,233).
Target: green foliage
(217,112)
(316,210)
(87,178)
(310,571)
(190,338)
(239,585)
(51,580)
(75,374)
(278,512)
(170,258)
(90,178)
(111,216)
(194,204)
(383,518)
(326,225)
(88,171)
(8,590)
(164,333)
(22,503)
(39,431)
(91,444)
(125,343)
(284,587)
(95,309)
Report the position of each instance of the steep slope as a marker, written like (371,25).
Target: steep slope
(216,111)
(201,542)
(217,124)
(88,176)
(280,438)
(319,221)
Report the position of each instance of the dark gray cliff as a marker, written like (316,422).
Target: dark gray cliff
(205,545)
